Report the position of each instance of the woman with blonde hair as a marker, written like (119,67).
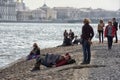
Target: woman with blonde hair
(87,35)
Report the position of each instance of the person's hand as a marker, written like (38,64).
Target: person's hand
(90,42)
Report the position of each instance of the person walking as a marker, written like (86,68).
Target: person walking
(110,33)
(87,35)
(100,30)
(115,24)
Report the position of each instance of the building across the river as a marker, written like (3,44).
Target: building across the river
(7,10)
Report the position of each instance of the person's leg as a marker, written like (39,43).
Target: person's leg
(102,37)
(38,62)
(116,37)
(109,42)
(88,54)
(99,37)
(37,65)
(84,52)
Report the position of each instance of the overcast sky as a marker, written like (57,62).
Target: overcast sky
(105,4)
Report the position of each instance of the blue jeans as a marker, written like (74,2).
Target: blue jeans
(86,51)
(110,41)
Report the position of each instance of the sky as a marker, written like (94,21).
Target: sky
(104,4)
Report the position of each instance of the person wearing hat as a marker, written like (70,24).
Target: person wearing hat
(86,37)
(110,33)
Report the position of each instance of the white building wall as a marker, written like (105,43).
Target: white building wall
(7,10)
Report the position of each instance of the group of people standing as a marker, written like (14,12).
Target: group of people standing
(87,34)
(110,31)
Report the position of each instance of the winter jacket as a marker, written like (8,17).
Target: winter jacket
(87,32)
(113,31)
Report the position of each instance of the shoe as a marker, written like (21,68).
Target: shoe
(35,69)
(85,63)
(116,42)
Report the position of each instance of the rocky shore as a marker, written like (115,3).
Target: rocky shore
(105,65)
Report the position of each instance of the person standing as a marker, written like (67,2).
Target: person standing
(110,33)
(87,35)
(115,24)
(71,35)
(100,30)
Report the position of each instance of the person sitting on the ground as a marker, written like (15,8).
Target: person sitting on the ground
(53,60)
(76,40)
(67,42)
(65,34)
(34,53)
(71,35)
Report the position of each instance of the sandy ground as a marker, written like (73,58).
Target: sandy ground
(105,65)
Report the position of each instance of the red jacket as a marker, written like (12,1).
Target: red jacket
(113,31)
(61,62)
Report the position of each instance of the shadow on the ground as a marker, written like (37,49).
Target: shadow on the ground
(81,67)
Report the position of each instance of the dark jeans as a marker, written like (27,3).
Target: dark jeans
(116,37)
(42,60)
(110,41)
(86,51)
(100,35)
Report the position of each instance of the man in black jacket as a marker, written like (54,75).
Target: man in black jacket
(87,35)
(115,24)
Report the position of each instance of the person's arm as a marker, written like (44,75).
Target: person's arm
(105,33)
(91,33)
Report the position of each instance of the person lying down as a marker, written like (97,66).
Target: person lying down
(52,60)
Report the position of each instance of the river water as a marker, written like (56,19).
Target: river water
(16,39)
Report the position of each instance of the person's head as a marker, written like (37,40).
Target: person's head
(65,30)
(86,21)
(35,45)
(101,21)
(114,19)
(67,56)
(76,37)
(110,23)
(70,30)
